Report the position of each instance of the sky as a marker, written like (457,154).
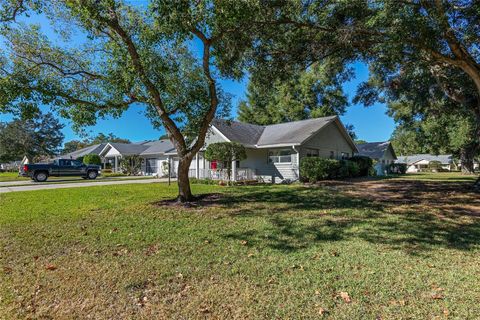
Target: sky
(371,123)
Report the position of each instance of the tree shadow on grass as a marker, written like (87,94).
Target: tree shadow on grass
(297,217)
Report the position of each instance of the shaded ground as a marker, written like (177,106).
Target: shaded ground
(385,249)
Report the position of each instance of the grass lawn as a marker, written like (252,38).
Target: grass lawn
(14,177)
(400,248)
(11,176)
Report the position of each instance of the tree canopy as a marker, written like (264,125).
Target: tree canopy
(74,145)
(131,55)
(33,138)
(316,92)
(406,44)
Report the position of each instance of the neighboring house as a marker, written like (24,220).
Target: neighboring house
(381,152)
(420,162)
(156,155)
(274,152)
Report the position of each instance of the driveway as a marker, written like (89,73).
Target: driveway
(39,186)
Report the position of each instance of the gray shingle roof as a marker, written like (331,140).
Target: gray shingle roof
(443,158)
(158,147)
(294,132)
(244,133)
(374,150)
(129,148)
(94,149)
(252,135)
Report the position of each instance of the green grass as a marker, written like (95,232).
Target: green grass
(11,176)
(440,176)
(262,252)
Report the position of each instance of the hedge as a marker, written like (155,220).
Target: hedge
(92,159)
(364,164)
(315,169)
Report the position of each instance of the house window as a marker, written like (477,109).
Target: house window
(332,154)
(151,166)
(345,155)
(280,156)
(311,152)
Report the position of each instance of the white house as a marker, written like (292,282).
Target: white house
(273,151)
(419,162)
(381,152)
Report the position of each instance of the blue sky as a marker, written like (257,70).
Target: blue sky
(371,123)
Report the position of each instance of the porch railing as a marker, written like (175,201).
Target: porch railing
(241,174)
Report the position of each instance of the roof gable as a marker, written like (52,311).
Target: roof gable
(375,150)
(244,133)
(157,147)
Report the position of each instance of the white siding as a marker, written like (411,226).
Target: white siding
(328,139)
(212,137)
(257,159)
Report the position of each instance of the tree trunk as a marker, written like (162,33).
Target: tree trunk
(184,191)
(466,158)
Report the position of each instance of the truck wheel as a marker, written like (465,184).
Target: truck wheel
(92,175)
(41,176)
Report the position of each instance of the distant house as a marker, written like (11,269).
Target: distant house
(420,162)
(381,152)
(156,154)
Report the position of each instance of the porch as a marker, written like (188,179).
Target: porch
(238,174)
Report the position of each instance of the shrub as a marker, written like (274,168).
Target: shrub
(92,159)
(365,164)
(348,169)
(131,165)
(314,169)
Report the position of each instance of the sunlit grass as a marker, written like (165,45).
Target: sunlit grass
(262,252)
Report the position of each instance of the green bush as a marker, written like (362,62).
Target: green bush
(315,169)
(365,164)
(348,169)
(92,159)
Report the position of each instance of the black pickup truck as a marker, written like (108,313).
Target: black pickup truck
(60,168)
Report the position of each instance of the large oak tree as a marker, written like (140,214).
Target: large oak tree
(130,55)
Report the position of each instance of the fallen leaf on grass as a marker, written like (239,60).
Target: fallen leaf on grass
(437,296)
(7,269)
(50,267)
(204,309)
(244,242)
(322,311)
(445,312)
(345,296)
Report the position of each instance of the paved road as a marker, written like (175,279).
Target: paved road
(77,185)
